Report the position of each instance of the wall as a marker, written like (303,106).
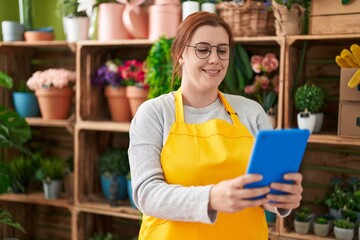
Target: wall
(43,15)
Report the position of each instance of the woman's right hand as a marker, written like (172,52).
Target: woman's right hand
(231,196)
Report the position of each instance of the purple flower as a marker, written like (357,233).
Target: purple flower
(108,74)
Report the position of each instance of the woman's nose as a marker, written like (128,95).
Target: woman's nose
(213,58)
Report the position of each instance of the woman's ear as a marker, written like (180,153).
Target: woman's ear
(181,62)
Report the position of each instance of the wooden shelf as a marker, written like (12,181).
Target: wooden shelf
(105,209)
(103,126)
(294,235)
(333,139)
(49,123)
(37,198)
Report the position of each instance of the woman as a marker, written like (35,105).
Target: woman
(189,149)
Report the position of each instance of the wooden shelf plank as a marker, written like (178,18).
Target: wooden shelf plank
(105,209)
(104,126)
(49,123)
(37,198)
(293,235)
(333,139)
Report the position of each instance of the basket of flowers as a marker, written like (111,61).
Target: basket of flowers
(249,18)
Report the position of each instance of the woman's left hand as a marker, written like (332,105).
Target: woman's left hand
(293,198)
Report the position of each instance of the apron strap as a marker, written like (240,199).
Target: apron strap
(233,115)
(179,110)
(179,107)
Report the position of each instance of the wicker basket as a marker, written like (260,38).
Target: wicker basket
(249,19)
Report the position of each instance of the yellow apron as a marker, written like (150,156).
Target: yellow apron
(203,154)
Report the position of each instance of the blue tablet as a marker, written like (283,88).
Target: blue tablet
(275,153)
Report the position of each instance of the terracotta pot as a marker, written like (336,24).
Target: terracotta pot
(164,19)
(54,103)
(110,25)
(118,104)
(34,36)
(136,97)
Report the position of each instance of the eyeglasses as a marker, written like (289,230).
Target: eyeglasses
(203,50)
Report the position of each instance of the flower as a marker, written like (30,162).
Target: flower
(53,77)
(108,74)
(132,72)
(265,87)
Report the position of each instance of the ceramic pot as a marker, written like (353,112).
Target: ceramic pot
(118,104)
(120,184)
(302,227)
(164,19)
(129,189)
(136,97)
(321,230)
(318,122)
(12,31)
(189,7)
(110,23)
(344,234)
(306,120)
(26,104)
(76,28)
(54,103)
(34,36)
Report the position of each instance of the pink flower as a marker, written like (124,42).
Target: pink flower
(263,81)
(53,77)
(132,71)
(250,89)
(270,63)
(256,63)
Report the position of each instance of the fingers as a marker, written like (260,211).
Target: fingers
(241,181)
(294,191)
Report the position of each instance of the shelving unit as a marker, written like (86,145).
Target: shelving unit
(90,129)
(42,218)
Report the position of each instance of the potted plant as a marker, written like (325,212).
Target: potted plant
(265,87)
(108,76)
(344,229)
(133,75)
(336,200)
(114,166)
(76,23)
(51,172)
(308,101)
(15,132)
(289,16)
(302,220)
(321,226)
(104,236)
(22,169)
(25,101)
(54,91)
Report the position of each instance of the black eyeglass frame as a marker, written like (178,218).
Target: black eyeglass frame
(211,46)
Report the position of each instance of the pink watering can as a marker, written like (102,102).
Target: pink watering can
(135,18)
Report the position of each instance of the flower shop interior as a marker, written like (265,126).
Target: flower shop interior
(64,170)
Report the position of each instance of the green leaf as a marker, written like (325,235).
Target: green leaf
(14,130)
(6,218)
(269,101)
(344,2)
(5,80)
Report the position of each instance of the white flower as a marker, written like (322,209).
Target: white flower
(86,5)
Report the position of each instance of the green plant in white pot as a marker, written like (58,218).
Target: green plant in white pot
(321,226)
(344,229)
(51,172)
(302,220)
(308,100)
(76,23)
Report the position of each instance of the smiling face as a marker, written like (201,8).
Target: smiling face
(204,74)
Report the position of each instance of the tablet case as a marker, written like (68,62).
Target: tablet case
(275,153)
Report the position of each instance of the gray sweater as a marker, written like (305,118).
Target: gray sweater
(148,133)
